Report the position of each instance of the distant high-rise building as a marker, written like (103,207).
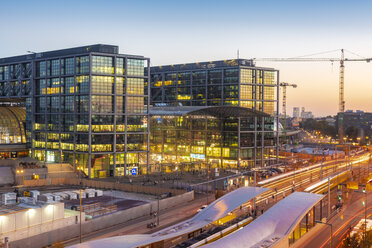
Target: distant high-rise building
(302,112)
(296,112)
(306,114)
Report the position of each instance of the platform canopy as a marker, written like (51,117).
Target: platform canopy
(274,225)
(216,210)
(216,111)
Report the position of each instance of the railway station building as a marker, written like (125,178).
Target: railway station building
(90,106)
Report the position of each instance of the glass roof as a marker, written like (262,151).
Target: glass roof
(216,111)
(12,125)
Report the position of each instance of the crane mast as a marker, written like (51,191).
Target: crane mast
(284,86)
(341,107)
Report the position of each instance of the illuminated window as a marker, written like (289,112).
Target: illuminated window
(120,66)
(135,67)
(120,86)
(102,64)
(246,76)
(135,105)
(102,104)
(269,77)
(102,84)
(246,91)
(135,86)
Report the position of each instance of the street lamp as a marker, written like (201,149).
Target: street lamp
(328,224)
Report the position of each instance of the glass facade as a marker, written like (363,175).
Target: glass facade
(12,125)
(231,83)
(245,141)
(88,106)
(190,141)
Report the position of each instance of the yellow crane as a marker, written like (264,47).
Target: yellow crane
(342,60)
(284,106)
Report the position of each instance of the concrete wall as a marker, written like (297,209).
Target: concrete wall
(25,223)
(73,230)
(28,173)
(58,170)
(6,176)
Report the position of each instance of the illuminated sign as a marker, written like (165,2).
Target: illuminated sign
(134,171)
(197,156)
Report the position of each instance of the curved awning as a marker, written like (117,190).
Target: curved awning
(216,111)
(274,225)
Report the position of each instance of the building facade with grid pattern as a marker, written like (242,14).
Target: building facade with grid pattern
(87,106)
(242,141)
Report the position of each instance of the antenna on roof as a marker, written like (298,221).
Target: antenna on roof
(237,54)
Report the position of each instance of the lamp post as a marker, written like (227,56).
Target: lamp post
(328,224)
(329,197)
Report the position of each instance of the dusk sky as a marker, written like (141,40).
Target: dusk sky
(171,32)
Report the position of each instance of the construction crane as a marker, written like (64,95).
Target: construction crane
(284,87)
(342,60)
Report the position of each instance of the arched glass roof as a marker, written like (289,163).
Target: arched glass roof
(12,125)
(216,111)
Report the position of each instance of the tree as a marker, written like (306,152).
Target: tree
(352,132)
(321,126)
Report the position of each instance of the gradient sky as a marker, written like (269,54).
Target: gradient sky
(171,32)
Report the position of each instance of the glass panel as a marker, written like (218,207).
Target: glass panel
(135,86)
(120,86)
(102,65)
(103,104)
(102,84)
(135,67)
(82,65)
(120,66)
(246,76)
(135,105)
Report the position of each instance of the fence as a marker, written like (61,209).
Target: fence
(103,185)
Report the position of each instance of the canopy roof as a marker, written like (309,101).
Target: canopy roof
(278,222)
(216,210)
(216,111)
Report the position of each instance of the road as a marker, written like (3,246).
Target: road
(342,223)
(283,185)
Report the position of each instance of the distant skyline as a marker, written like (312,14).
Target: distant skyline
(171,32)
